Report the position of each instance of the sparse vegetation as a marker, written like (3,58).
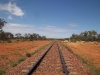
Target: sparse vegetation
(8,41)
(20,60)
(31,39)
(11,54)
(67,47)
(28,54)
(2,72)
(13,64)
(39,49)
(93,70)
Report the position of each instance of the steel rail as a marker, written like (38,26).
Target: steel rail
(38,62)
(63,61)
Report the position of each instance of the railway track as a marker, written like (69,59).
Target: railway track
(50,61)
(53,60)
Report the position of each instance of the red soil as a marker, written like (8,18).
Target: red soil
(89,51)
(10,52)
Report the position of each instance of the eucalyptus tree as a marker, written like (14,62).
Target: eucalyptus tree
(2,24)
(9,35)
(18,35)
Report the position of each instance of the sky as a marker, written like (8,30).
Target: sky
(51,18)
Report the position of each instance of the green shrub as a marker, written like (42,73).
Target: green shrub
(73,40)
(31,39)
(8,41)
(36,51)
(20,60)
(28,54)
(2,72)
(13,64)
(17,40)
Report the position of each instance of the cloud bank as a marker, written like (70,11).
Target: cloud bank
(48,31)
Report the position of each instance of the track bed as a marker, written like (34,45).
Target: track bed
(51,63)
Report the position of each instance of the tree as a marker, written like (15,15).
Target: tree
(9,35)
(39,37)
(26,36)
(90,33)
(85,34)
(31,37)
(6,36)
(94,33)
(35,36)
(18,35)
(2,36)
(2,23)
(98,37)
(43,37)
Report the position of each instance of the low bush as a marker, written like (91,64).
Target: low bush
(31,39)
(17,40)
(28,54)
(2,72)
(20,60)
(13,64)
(8,41)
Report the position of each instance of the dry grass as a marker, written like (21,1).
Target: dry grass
(89,51)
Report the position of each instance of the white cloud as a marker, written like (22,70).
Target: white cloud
(10,17)
(48,31)
(50,26)
(12,8)
(73,25)
(52,29)
(56,29)
(14,25)
(18,28)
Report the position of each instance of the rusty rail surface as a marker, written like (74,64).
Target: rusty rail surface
(63,62)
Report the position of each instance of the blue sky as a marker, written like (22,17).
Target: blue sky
(52,18)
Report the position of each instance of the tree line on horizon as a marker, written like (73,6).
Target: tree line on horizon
(8,35)
(86,36)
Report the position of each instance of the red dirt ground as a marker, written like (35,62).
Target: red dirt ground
(88,50)
(10,52)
